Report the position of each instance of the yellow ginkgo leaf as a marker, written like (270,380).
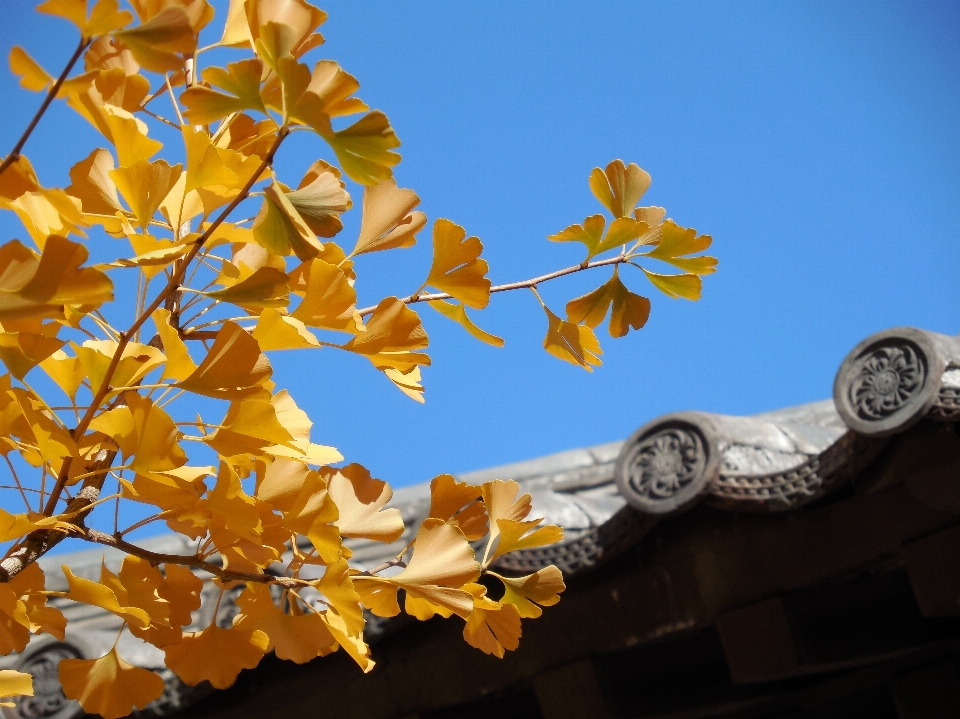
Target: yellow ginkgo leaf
(279,228)
(393,333)
(329,300)
(363,148)
(129,136)
(456,502)
(267,287)
(457,268)
(388,219)
(32,287)
(136,362)
(161,43)
(525,535)
(676,242)
(180,364)
(28,587)
(280,28)
(14,683)
(240,80)
(360,500)
(621,231)
(338,591)
(65,370)
(105,16)
(629,309)
(501,500)
(13,526)
(108,686)
(619,187)
(309,510)
(143,431)
(18,178)
(492,627)
(572,343)
(236,33)
(687,286)
(48,212)
(233,367)
(327,95)
(144,185)
(20,352)
(98,595)
(216,655)
(321,199)
(458,313)
(297,637)
(181,589)
(92,185)
(204,164)
(275,331)
(32,76)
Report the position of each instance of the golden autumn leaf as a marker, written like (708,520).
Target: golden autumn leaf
(92,185)
(676,243)
(216,655)
(233,367)
(105,15)
(501,501)
(360,500)
(329,300)
(458,313)
(629,310)
(266,287)
(18,178)
(204,164)
(181,589)
(161,43)
(456,502)
(129,136)
(687,286)
(136,362)
(143,431)
(297,637)
(591,233)
(21,351)
(363,148)
(48,212)
(275,331)
(40,287)
(241,83)
(321,199)
(65,370)
(108,686)
(572,343)
(393,334)
(457,268)
(29,589)
(516,535)
(32,76)
(98,594)
(388,219)
(326,95)
(492,627)
(179,364)
(14,683)
(280,28)
(144,185)
(618,187)
(280,229)
(336,587)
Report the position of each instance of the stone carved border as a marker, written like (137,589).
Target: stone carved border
(42,660)
(894,378)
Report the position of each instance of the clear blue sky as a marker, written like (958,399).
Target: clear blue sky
(818,143)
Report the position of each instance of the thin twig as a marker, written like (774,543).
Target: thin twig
(155,116)
(51,94)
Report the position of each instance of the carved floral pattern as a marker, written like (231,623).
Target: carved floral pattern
(888,377)
(665,463)
(48,701)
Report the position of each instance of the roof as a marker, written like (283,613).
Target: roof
(609,497)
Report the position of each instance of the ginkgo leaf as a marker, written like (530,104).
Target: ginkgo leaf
(97,595)
(457,268)
(321,199)
(308,510)
(525,535)
(20,352)
(327,95)
(501,500)
(104,17)
(458,313)
(28,588)
(32,287)
(108,686)
(455,502)
(160,43)
(280,229)
(216,655)
(297,637)
(32,76)
(572,343)
(629,309)
(354,646)
(618,187)
(129,136)
(14,683)
(18,178)
(181,589)
(388,220)
(409,382)
(360,500)
(234,366)
(621,231)
(329,300)
(393,333)
(92,185)
(676,242)
(338,591)
(144,185)
(65,370)
(363,148)
(144,431)
(204,164)
(275,331)
(240,80)
(492,627)
(267,287)
(235,32)
(687,286)
(136,361)
(180,364)
(279,28)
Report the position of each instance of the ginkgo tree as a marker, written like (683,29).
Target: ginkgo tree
(213,294)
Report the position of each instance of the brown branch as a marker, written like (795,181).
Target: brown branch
(523,284)
(381,567)
(51,94)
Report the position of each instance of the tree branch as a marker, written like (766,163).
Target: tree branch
(51,94)
(523,284)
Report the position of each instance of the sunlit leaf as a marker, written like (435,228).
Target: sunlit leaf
(216,655)
(280,28)
(619,187)
(388,220)
(92,184)
(458,313)
(360,500)
(457,268)
(329,300)
(687,286)
(321,199)
(180,364)
(297,637)
(280,229)
(629,309)
(621,231)
(104,16)
(456,502)
(267,287)
(143,431)
(492,627)
(275,331)
(144,185)
(233,367)
(160,43)
(32,76)
(393,334)
(363,148)
(14,683)
(677,242)
(240,80)
(572,343)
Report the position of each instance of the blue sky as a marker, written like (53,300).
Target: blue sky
(817,143)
